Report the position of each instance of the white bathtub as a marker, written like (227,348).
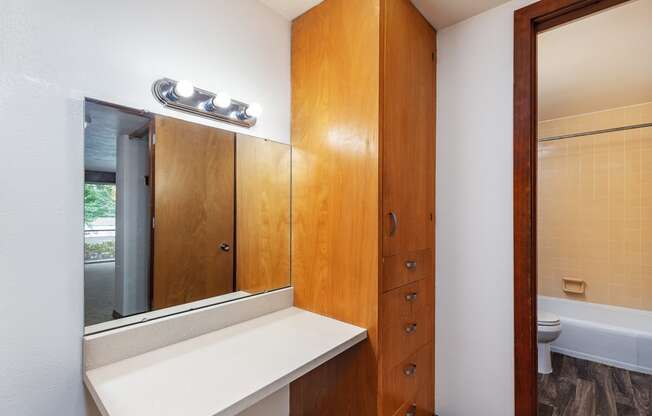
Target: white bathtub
(620,337)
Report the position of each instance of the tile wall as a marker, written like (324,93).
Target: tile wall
(594,209)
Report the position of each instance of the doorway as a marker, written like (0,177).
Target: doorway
(580,204)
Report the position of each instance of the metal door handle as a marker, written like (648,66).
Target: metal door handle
(410,328)
(410,370)
(412,411)
(394,223)
(411,297)
(411,264)
(225,247)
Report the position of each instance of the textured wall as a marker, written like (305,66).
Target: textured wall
(53,54)
(475,261)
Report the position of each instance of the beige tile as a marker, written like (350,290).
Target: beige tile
(646,295)
(620,295)
(595,207)
(597,292)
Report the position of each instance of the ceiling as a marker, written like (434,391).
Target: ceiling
(602,61)
(440,13)
(291,9)
(104,125)
(443,13)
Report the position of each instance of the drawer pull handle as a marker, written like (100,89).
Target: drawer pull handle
(410,370)
(411,297)
(394,223)
(412,411)
(411,265)
(411,328)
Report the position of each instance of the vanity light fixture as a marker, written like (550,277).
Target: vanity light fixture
(222,100)
(184,89)
(254,110)
(183,96)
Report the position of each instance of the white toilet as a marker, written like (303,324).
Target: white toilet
(548,330)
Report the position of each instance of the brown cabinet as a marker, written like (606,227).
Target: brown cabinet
(363,202)
(406,325)
(408,129)
(405,267)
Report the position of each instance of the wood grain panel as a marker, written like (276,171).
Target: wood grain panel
(398,304)
(262,214)
(426,396)
(397,272)
(401,389)
(194,210)
(408,129)
(398,315)
(335,185)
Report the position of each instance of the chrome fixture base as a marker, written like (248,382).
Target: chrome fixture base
(200,103)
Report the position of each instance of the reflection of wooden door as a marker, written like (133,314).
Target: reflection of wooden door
(263,214)
(193,212)
(408,194)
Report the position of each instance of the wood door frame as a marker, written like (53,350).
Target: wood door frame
(528,22)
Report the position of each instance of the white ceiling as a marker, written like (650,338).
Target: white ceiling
(443,13)
(602,61)
(291,9)
(440,13)
(104,125)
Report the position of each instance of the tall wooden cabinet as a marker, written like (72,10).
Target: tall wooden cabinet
(363,186)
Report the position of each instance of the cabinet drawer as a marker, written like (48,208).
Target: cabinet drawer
(406,301)
(426,395)
(407,383)
(400,385)
(407,323)
(404,268)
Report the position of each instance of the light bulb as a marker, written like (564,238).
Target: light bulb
(222,100)
(184,89)
(254,110)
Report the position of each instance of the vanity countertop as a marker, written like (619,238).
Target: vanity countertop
(222,372)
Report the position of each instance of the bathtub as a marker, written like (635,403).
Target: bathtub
(611,335)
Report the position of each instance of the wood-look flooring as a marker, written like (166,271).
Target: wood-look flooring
(584,388)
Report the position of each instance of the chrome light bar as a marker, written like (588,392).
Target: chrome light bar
(183,96)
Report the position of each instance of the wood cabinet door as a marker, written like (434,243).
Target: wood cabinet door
(408,129)
(193,212)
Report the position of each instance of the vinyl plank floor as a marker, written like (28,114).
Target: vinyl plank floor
(584,388)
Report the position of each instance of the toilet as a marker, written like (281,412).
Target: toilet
(548,330)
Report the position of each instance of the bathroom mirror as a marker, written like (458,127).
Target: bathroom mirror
(178,215)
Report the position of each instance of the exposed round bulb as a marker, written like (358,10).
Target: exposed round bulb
(222,100)
(184,89)
(254,110)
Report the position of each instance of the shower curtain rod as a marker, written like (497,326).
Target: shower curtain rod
(590,133)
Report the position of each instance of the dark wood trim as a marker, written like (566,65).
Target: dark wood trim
(525,361)
(95,176)
(574,11)
(528,22)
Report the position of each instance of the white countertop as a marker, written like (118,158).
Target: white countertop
(223,372)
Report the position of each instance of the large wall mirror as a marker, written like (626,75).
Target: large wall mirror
(178,215)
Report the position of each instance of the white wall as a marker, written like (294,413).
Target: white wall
(52,54)
(475,336)
(132,226)
(276,404)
